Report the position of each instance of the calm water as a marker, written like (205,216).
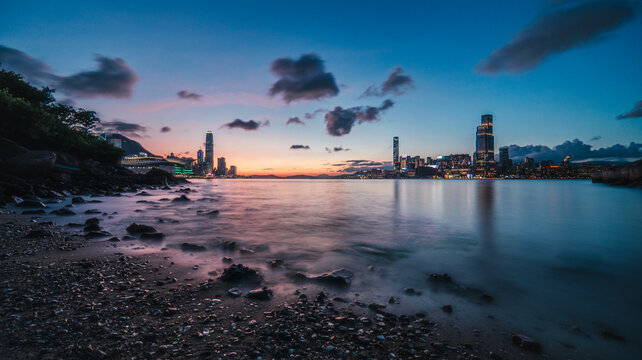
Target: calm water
(561,258)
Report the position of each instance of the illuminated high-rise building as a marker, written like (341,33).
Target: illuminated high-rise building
(233,170)
(209,152)
(395,152)
(485,147)
(199,157)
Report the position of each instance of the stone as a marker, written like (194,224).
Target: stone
(31,204)
(526,343)
(441,278)
(207,213)
(91,221)
(152,236)
(181,198)
(97,234)
(77,200)
(135,228)
(411,291)
(447,309)
(239,272)
(63,212)
(34,212)
(260,294)
(192,247)
(38,233)
(339,277)
(234,292)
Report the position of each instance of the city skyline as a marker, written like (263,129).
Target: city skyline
(426,79)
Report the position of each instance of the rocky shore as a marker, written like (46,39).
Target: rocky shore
(630,175)
(63,295)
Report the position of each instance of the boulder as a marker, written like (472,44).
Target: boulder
(32,204)
(181,198)
(139,229)
(238,273)
(526,343)
(32,163)
(339,277)
(152,236)
(63,212)
(192,247)
(260,294)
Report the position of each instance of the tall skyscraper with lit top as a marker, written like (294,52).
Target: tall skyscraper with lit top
(485,147)
(209,152)
(395,152)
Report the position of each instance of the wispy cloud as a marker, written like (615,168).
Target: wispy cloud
(397,84)
(300,147)
(294,120)
(248,125)
(232,98)
(336,149)
(184,94)
(122,127)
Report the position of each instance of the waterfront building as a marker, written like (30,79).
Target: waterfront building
(395,152)
(485,164)
(209,152)
(221,169)
(199,157)
(233,170)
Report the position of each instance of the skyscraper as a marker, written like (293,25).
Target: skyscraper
(395,152)
(505,162)
(485,147)
(233,170)
(199,157)
(221,169)
(209,152)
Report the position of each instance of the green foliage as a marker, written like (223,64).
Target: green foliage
(31,117)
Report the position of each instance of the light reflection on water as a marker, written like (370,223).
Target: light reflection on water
(554,254)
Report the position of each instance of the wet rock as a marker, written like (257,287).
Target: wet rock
(181,198)
(526,343)
(32,204)
(234,292)
(376,306)
(77,200)
(246,251)
(39,233)
(447,309)
(92,211)
(63,212)
(135,228)
(192,247)
(339,277)
(411,291)
(34,212)
(608,335)
(97,234)
(441,278)
(114,239)
(394,300)
(143,193)
(275,263)
(91,221)
(152,235)
(92,227)
(207,213)
(238,273)
(229,245)
(227,259)
(260,294)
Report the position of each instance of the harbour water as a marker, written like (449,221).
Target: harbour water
(560,259)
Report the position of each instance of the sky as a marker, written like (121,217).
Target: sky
(557,76)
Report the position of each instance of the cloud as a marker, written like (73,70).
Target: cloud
(396,84)
(351,166)
(313,114)
(294,120)
(113,78)
(267,169)
(122,127)
(300,147)
(636,112)
(576,149)
(564,28)
(184,94)
(302,79)
(595,138)
(336,149)
(245,125)
(165,129)
(340,121)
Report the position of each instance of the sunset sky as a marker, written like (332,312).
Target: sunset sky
(549,72)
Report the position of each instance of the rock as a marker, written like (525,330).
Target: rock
(135,228)
(181,198)
(411,291)
(608,335)
(394,300)
(260,294)
(339,277)
(234,292)
(229,245)
(32,163)
(526,343)
(441,278)
(97,234)
(34,212)
(274,263)
(114,239)
(92,211)
(77,200)
(92,227)
(143,193)
(152,236)
(207,213)
(31,204)
(447,309)
(39,233)
(227,259)
(63,212)
(192,247)
(239,272)
(91,221)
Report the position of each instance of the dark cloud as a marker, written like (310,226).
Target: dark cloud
(576,149)
(351,166)
(302,79)
(245,125)
(300,147)
(313,114)
(294,120)
(636,112)
(165,129)
(396,84)
(340,121)
(561,29)
(113,78)
(595,138)
(122,127)
(33,70)
(336,149)
(184,94)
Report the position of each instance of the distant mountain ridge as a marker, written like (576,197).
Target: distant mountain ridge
(130,146)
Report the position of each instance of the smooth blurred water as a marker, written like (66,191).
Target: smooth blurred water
(562,259)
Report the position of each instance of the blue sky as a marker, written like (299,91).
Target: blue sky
(224,50)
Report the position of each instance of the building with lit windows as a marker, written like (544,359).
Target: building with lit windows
(484,158)
(395,152)
(221,169)
(209,152)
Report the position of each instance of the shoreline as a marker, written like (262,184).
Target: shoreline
(67,296)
